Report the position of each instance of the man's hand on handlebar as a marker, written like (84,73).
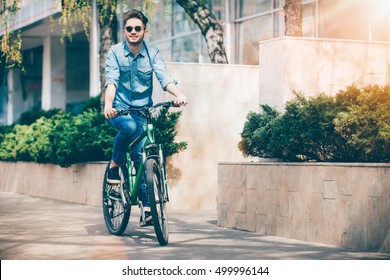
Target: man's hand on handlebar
(109,112)
(180,100)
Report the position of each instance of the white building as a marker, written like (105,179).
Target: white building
(64,75)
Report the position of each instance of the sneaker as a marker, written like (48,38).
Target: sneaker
(148,221)
(113,175)
(115,194)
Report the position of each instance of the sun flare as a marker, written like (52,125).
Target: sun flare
(381,7)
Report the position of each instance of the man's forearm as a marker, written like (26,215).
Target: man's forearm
(175,91)
(110,95)
(108,100)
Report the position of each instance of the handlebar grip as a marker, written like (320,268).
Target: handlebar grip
(165,104)
(172,104)
(118,114)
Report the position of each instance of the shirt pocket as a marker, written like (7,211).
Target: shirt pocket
(145,75)
(125,74)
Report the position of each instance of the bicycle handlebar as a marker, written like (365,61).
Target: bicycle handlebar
(146,109)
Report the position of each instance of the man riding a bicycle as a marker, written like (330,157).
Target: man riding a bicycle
(129,83)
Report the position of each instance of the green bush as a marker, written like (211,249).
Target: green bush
(93,103)
(62,139)
(366,124)
(165,131)
(81,138)
(65,139)
(4,129)
(31,116)
(353,126)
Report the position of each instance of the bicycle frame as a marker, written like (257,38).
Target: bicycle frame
(134,183)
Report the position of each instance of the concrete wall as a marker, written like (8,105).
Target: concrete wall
(346,205)
(313,66)
(219,99)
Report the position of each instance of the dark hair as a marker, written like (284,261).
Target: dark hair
(135,14)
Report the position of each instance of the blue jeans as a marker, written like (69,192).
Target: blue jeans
(129,128)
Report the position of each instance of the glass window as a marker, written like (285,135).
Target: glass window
(217,7)
(31,79)
(170,20)
(334,22)
(251,7)
(165,49)
(308,20)
(194,47)
(182,23)
(380,20)
(77,53)
(160,22)
(279,26)
(278,4)
(186,49)
(251,32)
(3,92)
(205,58)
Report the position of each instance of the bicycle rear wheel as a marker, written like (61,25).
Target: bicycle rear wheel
(156,195)
(116,212)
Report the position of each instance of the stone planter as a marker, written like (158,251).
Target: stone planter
(80,183)
(345,205)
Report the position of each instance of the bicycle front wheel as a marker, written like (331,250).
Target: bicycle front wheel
(116,212)
(156,194)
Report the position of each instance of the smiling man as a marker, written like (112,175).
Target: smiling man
(129,83)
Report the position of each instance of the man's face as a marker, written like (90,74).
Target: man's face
(134,31)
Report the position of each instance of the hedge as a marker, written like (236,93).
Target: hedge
(353,126)
(60,138)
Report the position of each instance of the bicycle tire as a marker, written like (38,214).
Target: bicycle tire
(155,190)
(115,212)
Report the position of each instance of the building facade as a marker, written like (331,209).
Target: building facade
(246,22)
(64,75)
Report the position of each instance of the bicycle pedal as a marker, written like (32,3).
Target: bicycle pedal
(145,223)
(146,219)
(115,194)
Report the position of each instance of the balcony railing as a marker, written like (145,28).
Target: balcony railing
(32,11)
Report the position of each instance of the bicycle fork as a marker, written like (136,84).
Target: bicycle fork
(163,173)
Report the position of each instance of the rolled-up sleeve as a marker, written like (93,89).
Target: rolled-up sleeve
(161,71)
(112,69)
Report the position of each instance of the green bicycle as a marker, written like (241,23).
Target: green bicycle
(117,199)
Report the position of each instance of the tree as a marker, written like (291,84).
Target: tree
(210,27)
(108,26)
(293,17)
(10,42)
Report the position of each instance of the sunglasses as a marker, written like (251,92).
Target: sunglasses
(136,28)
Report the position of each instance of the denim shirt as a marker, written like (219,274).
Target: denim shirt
(133,75)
